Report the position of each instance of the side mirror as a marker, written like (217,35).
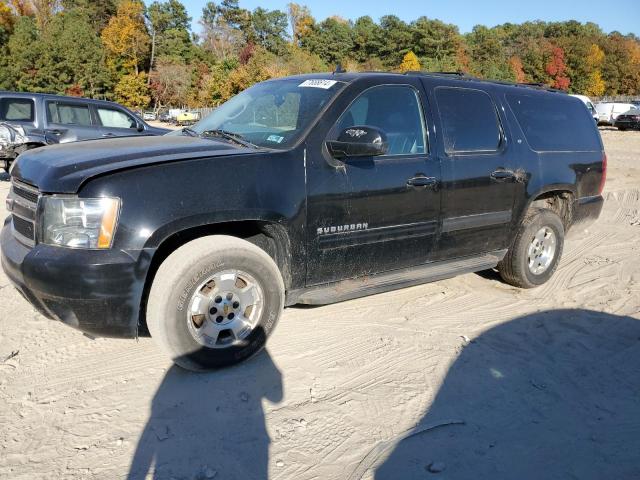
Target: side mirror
(139,126)
(358,141)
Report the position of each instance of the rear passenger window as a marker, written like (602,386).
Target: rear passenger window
(394,109)
(68,114)
(469,120)
(16,109)
(554,122)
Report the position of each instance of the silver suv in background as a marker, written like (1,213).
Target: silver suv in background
(31,120)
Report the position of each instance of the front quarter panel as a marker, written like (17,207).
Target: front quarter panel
(161,200)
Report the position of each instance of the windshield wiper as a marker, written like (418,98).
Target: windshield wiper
(190,132)
(227,135)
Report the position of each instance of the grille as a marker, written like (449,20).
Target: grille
(30,195)
(23,227)
(23,201)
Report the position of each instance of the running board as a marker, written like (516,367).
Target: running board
(393,280)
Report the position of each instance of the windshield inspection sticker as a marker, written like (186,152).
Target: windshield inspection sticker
(275,138)
(326,84)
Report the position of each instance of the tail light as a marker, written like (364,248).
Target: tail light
(603,179)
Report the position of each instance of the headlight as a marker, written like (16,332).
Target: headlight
(79,222)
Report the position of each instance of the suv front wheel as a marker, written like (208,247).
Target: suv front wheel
(535,252)
(214,302)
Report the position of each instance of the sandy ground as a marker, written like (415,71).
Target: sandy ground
(459,379)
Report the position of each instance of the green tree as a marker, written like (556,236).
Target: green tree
(62,65)
(169,26)
(368,40)
(398,40)
(331,40)
(269,30)
(24,50)
(437,43)
(99,12)
(488,55)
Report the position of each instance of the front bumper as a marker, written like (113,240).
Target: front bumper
(586,210)
(96,291)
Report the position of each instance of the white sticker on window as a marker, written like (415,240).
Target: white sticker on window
(275,138)
(318,83)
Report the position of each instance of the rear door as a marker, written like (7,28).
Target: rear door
(116,122)
(372,214)
(69,121)
(478,177)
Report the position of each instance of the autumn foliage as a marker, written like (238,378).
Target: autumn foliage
(556,69)
(144,54)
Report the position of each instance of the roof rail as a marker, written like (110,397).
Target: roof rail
(458,73)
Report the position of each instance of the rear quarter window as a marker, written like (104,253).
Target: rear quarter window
(554,123)
(16,109)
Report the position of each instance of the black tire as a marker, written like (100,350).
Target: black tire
(514,267)
(177,280)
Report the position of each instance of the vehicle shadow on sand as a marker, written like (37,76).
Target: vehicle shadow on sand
(553,395)
(209,425)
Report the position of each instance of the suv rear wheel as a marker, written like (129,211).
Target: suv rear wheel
(214,302)
(536,250)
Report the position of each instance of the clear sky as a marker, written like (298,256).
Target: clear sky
(620,15)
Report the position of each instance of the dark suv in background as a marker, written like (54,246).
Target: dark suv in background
(30,120)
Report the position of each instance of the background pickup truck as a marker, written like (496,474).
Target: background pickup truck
(31,120)
(309,189)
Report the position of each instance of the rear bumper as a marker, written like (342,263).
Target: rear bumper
(98,292)
(586,210)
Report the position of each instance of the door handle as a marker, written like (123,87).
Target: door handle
(502,175)
(55,132)
(108,134)
(422,181)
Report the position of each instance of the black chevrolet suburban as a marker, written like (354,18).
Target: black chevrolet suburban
(309,189)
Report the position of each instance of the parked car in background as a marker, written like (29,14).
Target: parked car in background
(148,116)
(609,111)
(164,117)
(31,120)
(589,104)
(629,120)
(187,118)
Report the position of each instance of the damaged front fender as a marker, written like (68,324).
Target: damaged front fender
(14,140)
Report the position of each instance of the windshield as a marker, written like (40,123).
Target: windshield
(272,114)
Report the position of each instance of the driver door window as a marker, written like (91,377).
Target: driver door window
(394,109)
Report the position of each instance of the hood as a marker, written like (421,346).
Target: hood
(64,168)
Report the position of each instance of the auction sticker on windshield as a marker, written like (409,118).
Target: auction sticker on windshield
(319,83)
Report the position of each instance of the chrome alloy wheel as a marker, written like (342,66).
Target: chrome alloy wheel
(225,309)
(542,251)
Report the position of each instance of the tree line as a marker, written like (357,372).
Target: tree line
(147,56)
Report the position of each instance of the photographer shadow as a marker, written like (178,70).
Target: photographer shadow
(553,395)
(209,425)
